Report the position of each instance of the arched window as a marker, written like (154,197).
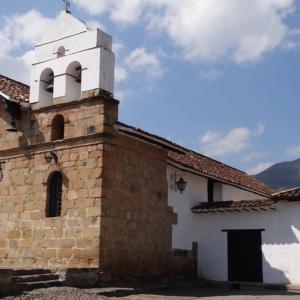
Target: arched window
(53,208)
(73,81)
(58,128)
(61,51)
(46,87)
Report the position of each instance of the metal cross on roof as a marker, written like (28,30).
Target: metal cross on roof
(67,4)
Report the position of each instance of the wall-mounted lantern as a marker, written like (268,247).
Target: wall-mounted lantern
(49,156)
(178,182)
(181,184)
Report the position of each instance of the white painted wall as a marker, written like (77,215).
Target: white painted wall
(281,238)
(196,191)
(91,48)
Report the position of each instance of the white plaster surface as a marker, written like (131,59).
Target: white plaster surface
(280,240)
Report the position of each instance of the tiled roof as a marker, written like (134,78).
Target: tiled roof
(292,195)
(234,206)
(202,164)
(13,89)
(220,171)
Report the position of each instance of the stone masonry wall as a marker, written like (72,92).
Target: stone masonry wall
(27,238)
(136,222)
(35,126)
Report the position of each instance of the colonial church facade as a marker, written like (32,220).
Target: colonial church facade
(82,193)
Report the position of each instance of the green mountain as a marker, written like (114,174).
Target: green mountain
(281,176)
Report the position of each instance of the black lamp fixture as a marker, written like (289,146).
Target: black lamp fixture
(181,184)
(49,156)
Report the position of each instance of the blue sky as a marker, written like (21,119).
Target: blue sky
(220,77)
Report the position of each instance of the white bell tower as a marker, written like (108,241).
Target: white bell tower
(71,63)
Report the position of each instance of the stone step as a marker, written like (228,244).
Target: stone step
(29,286)
(34,278)
(24,272)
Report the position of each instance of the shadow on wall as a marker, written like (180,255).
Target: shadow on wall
(273,275)
(26,130)
(31,130)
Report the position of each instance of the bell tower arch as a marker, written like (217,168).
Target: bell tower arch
(71,62)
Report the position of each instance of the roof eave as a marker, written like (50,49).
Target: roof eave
(183,167)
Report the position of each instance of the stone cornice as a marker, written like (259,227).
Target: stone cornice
(98,98)
(70,143)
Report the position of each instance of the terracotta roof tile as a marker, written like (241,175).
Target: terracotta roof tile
(292,195)
(203,164)
(234,206)
(14,89)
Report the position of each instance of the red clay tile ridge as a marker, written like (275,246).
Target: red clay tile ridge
(290,195)
(14,90)
(235,206)
(199,163)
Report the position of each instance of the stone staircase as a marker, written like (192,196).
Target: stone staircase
(27,280)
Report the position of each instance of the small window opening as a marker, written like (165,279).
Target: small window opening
(61,51)
(53,208)
(210,190)
(58,128)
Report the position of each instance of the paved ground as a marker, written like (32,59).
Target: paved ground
(182,294)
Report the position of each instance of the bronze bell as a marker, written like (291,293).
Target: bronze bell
(12,127)
(50,85)
(78,76)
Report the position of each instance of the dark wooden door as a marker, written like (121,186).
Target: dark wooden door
(245,256)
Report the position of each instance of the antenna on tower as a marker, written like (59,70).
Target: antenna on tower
(67,6)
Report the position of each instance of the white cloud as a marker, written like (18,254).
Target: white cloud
(17,31)
(259,168)
(24,29)
(241,30)
(139,60)
(15,67)
(122,94)
(93,24)
(93,7)
(293,152)
(211,74)
(252,156)
(117,47)
(126,11)
(235,141)
(121,74)
(259,130)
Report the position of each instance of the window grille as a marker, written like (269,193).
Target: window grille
(54,195)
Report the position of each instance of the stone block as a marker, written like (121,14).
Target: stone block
(14,234)
(93,211)
(84,243)
(90,232)
(50,253)
(65,253)
(66,243)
